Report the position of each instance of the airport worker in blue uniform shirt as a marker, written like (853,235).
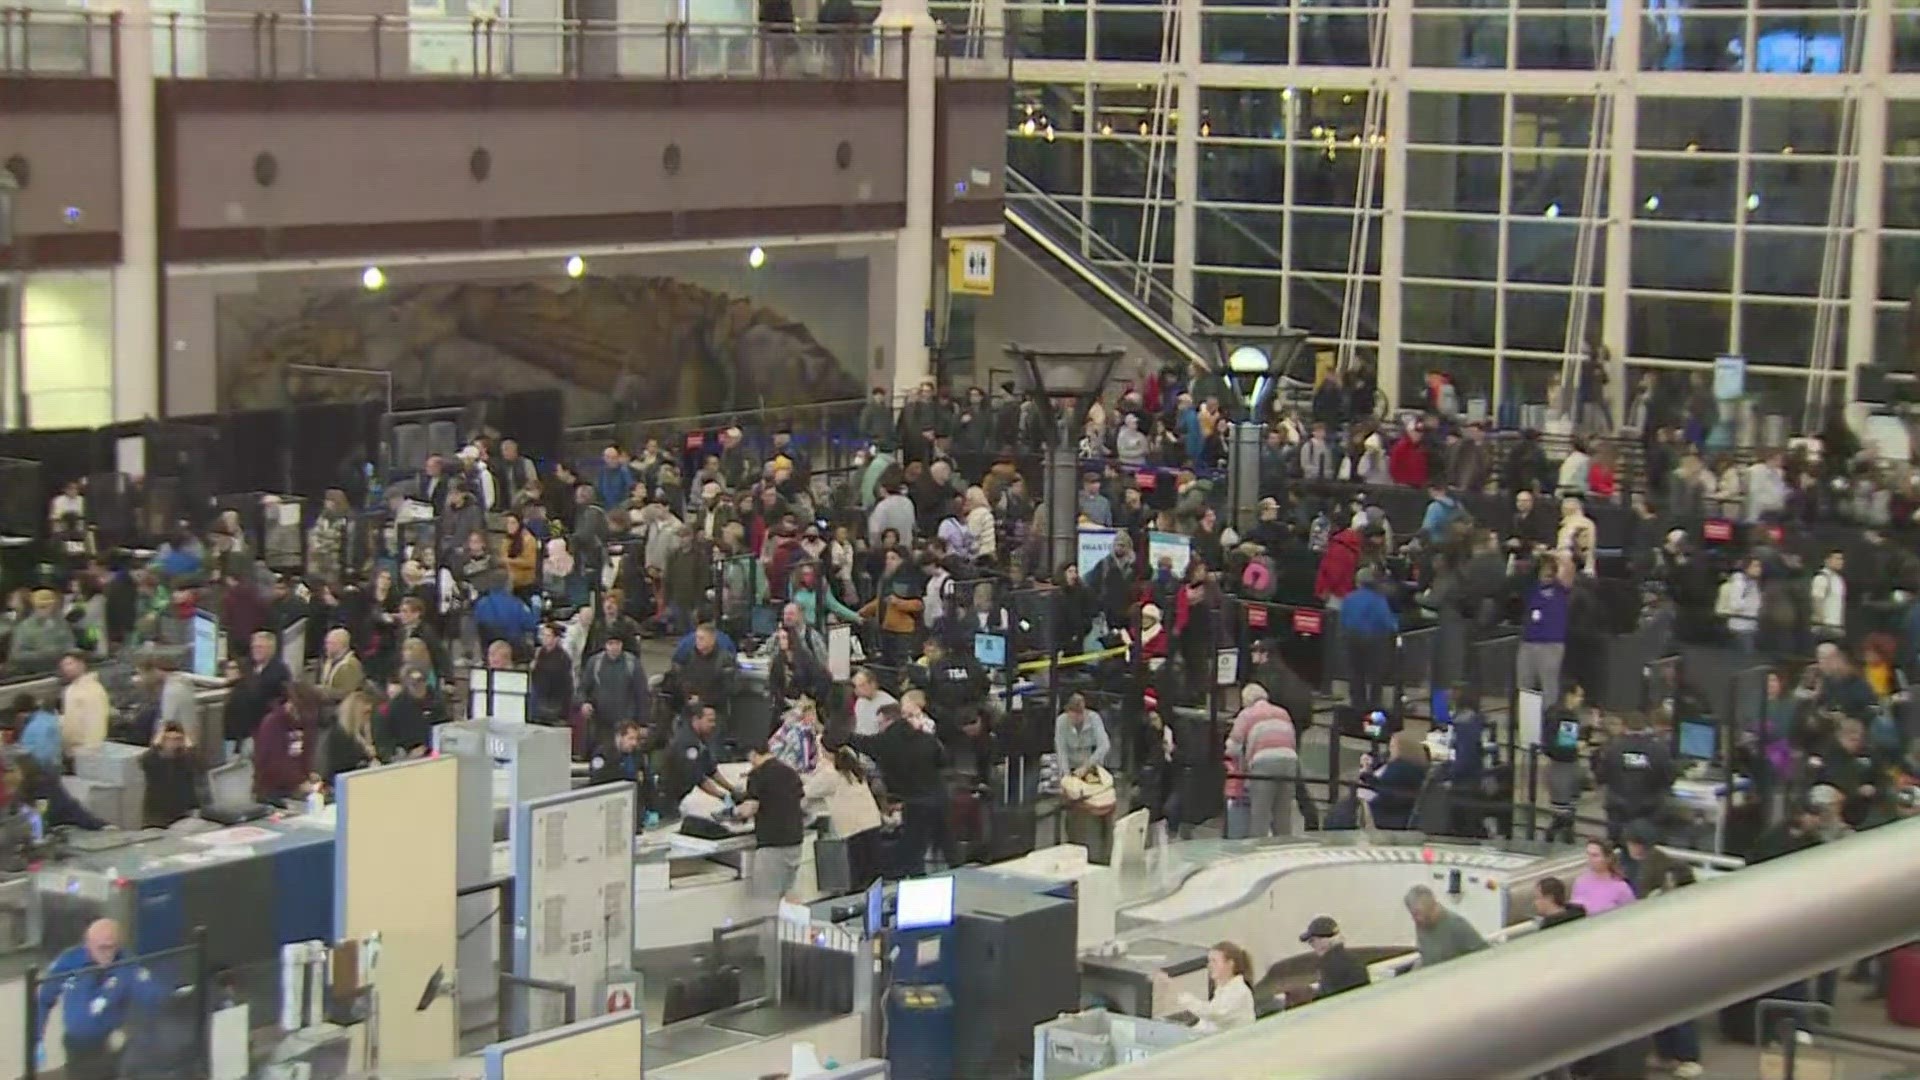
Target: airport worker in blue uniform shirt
(625,761)
(95,1002)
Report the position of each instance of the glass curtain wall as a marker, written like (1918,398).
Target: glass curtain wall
(1700,153)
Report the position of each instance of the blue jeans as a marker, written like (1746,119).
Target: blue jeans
(1681,1042)
(1239,817)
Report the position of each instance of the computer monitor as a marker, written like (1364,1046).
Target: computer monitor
(1699,739)
(924,903)
(209,645)
(990,649)
(876,908)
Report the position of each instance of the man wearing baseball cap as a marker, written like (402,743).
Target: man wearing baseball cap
(1339,971)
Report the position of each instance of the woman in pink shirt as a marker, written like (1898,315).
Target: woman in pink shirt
(1601,886)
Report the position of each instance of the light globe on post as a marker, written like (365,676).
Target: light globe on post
(1249,366)
(1254,359)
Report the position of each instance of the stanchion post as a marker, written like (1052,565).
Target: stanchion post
(1533,792)
(32,1019)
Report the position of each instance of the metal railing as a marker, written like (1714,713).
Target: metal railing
(272,45)
(1844,900)
(1393,966)
(1055,227)
(1819,1051)
(826,430)
(275,46)
(59,44)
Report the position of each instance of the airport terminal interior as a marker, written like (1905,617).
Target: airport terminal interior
(959,540)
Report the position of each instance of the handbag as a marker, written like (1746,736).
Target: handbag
(1351,812)
(1090,790)
(832,865)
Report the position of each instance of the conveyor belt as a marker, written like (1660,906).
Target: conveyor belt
(1223,883)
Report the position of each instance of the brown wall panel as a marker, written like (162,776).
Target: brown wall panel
(971,154)
(565,161)
(65,134)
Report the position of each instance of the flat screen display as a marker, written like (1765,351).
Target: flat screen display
(1698,740)
(876,908)
(924,902)
(990,649)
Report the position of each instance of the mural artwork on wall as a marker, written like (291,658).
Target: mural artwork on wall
(650,346)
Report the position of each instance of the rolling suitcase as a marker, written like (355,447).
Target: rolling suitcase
(1012,822)
(1903,986)
(966,825)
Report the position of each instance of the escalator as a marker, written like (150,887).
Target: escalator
(1048,234)
(1055,241)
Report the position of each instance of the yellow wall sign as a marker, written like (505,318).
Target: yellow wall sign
(970,267)
(1233,311)
(1324,360)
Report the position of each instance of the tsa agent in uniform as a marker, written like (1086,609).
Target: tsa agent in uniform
(94,1001)
(690,761)
(624,760)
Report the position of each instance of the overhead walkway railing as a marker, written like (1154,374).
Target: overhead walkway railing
(291,46)
(1059,232)
(1634,970)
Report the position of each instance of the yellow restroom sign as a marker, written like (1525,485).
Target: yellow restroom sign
(970,267)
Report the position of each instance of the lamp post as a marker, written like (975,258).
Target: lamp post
(1076,375)
(12,312)
(1253,359)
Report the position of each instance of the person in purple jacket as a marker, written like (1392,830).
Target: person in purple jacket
(1543,628)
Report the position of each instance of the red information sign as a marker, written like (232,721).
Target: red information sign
(1257,618)
(1306,621)
(696,440)
(1717,530)
(1146,479)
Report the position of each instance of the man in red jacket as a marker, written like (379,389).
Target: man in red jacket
(1338,565)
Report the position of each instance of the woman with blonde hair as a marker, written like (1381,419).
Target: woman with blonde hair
(346,743)
(1396,785)
(414,651)
(913,709)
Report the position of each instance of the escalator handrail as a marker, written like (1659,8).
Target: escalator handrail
(1369,327)
(1027,192)
(1161,328)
